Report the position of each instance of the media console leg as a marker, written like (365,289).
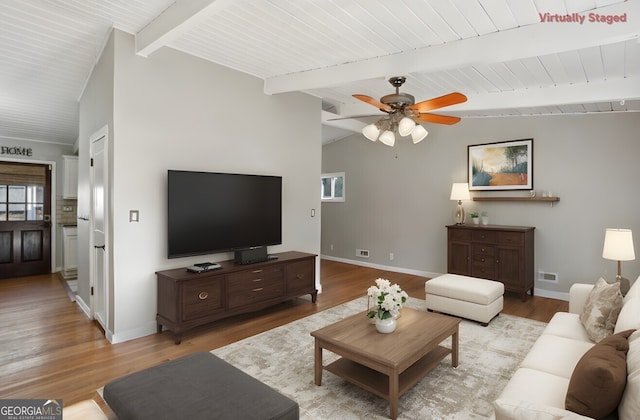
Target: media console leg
(314,296)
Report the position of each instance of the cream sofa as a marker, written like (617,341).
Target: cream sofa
(538,388)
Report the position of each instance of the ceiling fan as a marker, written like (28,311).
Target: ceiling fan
(405,115)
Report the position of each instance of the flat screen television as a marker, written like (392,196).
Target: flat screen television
(210,212)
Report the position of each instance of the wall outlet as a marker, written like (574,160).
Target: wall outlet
(391,256)
(67,208)
(362,253)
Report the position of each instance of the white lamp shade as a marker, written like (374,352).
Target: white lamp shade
(406,126)
(418,133)
(371,132)
(388,138)
(460,191)
(618,245)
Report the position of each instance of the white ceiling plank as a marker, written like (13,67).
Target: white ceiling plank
(180,17)
(522,42)
(500,13)
(592,63)
(593,92)
(476,15)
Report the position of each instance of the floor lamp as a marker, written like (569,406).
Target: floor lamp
(618,246)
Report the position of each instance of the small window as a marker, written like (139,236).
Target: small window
(332,187)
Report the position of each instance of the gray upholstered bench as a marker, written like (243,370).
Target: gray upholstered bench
(197,386)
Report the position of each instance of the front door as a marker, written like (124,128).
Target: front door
(25,219)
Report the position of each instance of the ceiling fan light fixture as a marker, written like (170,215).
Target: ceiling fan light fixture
(371,132)
(388,138)
(418,134)
(405,127)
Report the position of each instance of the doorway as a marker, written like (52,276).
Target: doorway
(25,219)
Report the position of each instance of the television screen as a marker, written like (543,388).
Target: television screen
(218,212)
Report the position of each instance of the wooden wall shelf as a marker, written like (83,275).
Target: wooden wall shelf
(538,199)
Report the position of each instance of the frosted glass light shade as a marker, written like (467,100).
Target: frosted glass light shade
(406,126)
(388,138)
(371,132)
(418,133)
(460,191)
(618,245)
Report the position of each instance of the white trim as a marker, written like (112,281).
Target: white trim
(551,294)
(538,292)
(382,267)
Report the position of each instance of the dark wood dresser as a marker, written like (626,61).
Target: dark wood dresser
(187,300)
(501,253)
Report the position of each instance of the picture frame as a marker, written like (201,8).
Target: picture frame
(500,166)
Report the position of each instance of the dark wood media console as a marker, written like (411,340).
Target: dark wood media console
(187,300)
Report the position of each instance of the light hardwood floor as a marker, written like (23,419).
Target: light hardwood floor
(49,349)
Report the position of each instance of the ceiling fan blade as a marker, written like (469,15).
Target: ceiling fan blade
(374,102)
(440,102)
(438,119)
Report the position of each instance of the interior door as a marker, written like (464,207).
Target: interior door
(25,219)
(99,199)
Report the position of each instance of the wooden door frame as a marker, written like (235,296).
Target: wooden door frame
(52,203)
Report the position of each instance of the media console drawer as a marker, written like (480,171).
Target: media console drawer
(187,300)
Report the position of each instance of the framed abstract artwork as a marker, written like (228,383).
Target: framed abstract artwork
(506,165)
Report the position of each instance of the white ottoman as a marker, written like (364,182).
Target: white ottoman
(466,297)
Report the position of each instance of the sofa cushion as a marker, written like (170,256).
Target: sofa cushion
(568,325)
(629,318)
(630,404)
(601,311)
(598,381)
(525,410)
(556,355)
(634,291)
(536,387)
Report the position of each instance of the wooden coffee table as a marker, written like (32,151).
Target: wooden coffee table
(387,364)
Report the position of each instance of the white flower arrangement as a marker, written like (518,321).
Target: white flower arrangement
(388,299)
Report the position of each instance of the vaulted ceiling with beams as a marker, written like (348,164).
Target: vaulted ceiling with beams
(509,57)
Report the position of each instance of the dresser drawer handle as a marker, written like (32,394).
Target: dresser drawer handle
(484,250)
(256,280)
(299,276)
(203,295)
(482,259)
(257,271)
(257,289)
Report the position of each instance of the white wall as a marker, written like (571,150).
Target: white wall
(174,111)
(398,199)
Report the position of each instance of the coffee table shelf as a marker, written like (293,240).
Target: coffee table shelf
(378,383)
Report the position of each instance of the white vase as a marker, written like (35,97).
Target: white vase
(476,220)
(386,326)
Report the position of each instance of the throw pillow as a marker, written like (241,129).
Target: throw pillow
(599,378)
(601,310)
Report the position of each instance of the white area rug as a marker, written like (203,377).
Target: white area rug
(283,359)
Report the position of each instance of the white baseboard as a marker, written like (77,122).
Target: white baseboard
(429,274)
(551,294)
(85,308)
(538,292)
(150,328)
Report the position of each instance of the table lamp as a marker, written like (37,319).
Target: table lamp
(618,246)
(460,191)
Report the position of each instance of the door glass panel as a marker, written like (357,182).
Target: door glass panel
(3,193)
(17,212)
(35,211)
(3,212)
(17,194)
